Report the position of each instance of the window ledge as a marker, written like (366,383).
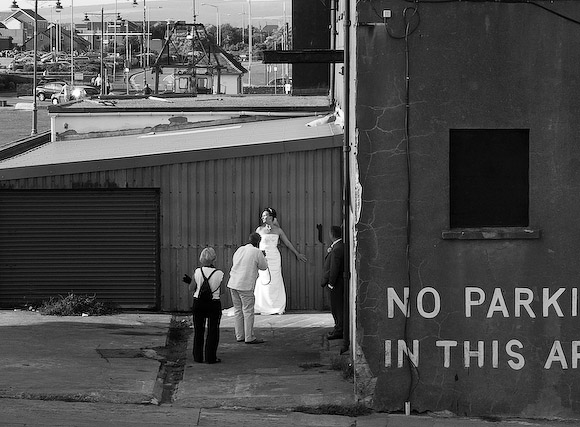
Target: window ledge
(484,233)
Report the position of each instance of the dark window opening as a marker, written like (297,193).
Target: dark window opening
(489,178)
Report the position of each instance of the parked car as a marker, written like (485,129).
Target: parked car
(51,79)
(284,83)
(69,93)
(91,90)
(280,81)
(46,90)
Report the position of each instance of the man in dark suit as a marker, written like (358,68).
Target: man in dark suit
(333,279)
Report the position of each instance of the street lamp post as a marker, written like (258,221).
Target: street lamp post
(250,43)
(14,7)
(72,40)
(218,25)
(58,33)
(127,53)
(145,45)
(115,44)
(50,34)
(104,76)
(243,21)
(72,44)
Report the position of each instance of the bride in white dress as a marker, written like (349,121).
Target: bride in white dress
(269,291)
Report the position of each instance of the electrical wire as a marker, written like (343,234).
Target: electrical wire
(567,18)
(412,367)
(532,3)
(411,19)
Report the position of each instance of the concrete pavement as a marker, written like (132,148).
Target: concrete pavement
(136,369)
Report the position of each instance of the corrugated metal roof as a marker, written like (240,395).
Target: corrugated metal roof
(170,147)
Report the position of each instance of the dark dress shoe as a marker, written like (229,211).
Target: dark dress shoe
(215,361)
(332,336)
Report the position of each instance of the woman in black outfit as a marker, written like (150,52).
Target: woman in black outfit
(203,309)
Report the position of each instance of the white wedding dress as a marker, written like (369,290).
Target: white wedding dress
(270,292)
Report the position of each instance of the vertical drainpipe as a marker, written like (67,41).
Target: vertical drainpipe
(346,181)
(332,47)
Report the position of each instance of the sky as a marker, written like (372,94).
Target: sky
(234,12)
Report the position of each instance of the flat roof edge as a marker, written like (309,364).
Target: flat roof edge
(22,145)
(192,156)
(56,109)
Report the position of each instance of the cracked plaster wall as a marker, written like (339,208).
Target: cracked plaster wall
(472,65)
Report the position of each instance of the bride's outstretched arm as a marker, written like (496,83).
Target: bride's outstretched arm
(290,246)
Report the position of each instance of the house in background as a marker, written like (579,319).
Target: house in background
(5,40)
(196,63)
(230,73)
(20,24)
(268,29)
(46,41)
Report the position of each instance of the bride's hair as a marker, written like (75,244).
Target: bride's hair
(271,212)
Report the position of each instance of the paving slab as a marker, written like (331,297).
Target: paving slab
(18,412)
(294,367)
(60,358)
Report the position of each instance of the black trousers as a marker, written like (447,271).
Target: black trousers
(210,311)
(337,308)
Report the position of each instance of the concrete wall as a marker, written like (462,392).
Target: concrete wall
(130,123)
(229,84)
(470,65)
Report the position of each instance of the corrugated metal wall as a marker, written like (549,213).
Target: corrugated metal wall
(218,203)
(81,241)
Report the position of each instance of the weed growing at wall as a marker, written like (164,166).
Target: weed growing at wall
(76,305)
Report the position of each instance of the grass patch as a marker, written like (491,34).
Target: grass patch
(180,323)
(355,410)
(76,305)
(15,122)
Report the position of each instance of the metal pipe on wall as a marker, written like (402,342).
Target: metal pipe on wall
(333,47)
(35,62)
(346,237)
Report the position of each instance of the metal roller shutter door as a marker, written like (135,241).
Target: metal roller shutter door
(102,242)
